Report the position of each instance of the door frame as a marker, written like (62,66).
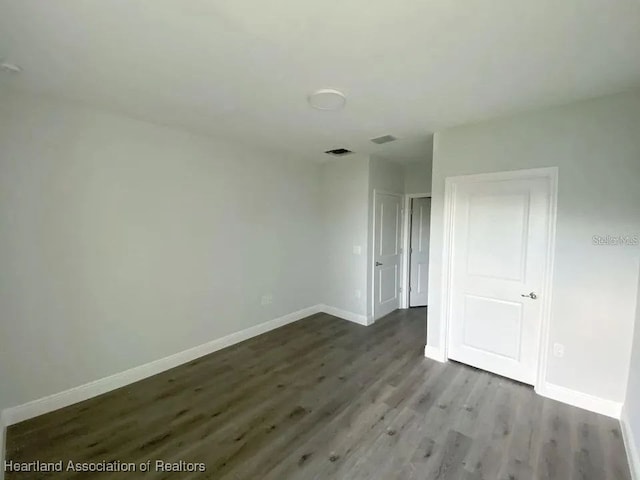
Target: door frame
(372,267)
(550,174)
(406,245)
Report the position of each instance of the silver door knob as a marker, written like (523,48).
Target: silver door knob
(378,264)
(532,295)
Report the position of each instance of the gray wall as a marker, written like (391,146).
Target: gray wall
(345,193)
(385,175)
(596,145)
(347,186)
(122,242)
(417,176)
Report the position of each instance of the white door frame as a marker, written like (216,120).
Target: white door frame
(406,245)
(451,183)
(372,267)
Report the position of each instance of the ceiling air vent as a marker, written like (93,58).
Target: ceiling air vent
(383,139)
(338,152)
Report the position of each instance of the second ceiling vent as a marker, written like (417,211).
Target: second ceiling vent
(383,139)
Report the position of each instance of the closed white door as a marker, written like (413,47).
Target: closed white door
(386,254)
(499,249)
(419,252)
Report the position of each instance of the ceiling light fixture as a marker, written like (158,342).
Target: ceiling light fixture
(10,67)
(327,99)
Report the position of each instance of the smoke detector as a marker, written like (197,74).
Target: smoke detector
(338,152)
(383,139)
(327,99)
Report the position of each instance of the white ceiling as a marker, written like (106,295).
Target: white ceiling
(243,68)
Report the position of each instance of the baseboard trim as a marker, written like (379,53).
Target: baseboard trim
(630,444)
(10,416)
(580,400)
(434,353)
(345,315)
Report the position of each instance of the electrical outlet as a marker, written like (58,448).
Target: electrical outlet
(558,350)
(358,294)
(267,299)
(357,250)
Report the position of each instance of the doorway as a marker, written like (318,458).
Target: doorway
(499,239)
(416,233)
(419,234)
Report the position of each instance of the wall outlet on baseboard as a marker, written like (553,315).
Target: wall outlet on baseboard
(267,299)
(558,350)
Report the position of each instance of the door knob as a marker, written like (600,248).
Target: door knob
(532,295)
(378,264)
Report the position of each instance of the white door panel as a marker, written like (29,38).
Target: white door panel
(419,252)
(386,249)
(499,250)
(388,277)
(501,316)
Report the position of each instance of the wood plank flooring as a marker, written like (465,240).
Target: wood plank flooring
(324,398)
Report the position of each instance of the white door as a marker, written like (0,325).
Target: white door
(499,251)
(386,254)
(419,252)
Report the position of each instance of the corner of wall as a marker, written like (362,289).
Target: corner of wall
(3,443)
(629,423)
(365,320)
(631,444)
(434,353)
(369,285)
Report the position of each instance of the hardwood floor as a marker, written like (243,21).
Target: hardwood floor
(324,398)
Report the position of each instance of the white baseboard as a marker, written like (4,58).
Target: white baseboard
(10,416)
(434,353)
(352,317)
(631,444)
(599,405)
